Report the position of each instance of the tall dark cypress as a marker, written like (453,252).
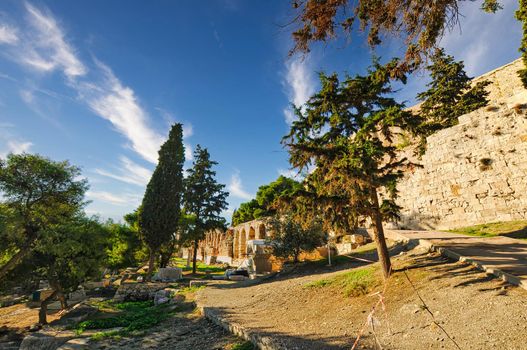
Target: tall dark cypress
(161,208)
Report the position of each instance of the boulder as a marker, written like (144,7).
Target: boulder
(170,274)
(137,291)
(45,341)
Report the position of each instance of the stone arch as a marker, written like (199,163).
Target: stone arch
(252,233)
(261,231)
(236,243)
(243,244)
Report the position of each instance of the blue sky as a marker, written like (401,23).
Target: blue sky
(100,82)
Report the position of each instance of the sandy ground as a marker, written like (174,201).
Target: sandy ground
(475,309)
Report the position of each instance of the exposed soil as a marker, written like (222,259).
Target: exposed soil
(15,321)
(476,310)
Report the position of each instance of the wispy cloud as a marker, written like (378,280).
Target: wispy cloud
(8,34)
(117,103)
(123,199)
(12,143)
(128,172)
(299,84)
(45,48)
(480,37)
(236,188)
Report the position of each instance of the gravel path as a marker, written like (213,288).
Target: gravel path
(476,310)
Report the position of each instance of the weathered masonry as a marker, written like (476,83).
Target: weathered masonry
(474,172)
(232,245)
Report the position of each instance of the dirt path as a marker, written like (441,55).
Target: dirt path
(504,253)
(477,310)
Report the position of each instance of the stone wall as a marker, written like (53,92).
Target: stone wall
(474,172)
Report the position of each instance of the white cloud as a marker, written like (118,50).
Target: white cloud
(15,146)
(128,172)
(116,199)
(189,154)
(290,173)
(484,41)
(236,188)
(118,104)
(47,49)
(299,84)
(8,35)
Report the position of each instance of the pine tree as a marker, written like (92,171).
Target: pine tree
(160,211)
(449,94)
(204,199)
(346,131)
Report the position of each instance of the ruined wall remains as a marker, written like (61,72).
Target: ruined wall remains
(474,172)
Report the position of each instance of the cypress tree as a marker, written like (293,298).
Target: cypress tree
(204,199)
(160,211)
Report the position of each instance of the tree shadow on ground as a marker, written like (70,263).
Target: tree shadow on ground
(308,341)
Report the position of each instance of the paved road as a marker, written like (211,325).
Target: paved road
(506,254)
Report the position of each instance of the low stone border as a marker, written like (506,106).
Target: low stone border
(260,341)
(505,276)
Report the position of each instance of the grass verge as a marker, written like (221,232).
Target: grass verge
(356,282)
(512,229)
(133,317)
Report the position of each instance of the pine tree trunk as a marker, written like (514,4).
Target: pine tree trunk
(378,230)
(42,314)
(63,301)
(194,256)
(150,265)
(189,256)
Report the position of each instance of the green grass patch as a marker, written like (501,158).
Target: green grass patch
(355,282)
(200,266)
(133,317)
(513,229)
(243,346)
(192,289)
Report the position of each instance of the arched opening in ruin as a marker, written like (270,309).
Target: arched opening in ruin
(236,242)
(252,233)
(261,231)
(243,244)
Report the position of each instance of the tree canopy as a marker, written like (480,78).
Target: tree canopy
(38,193)
(346,131)
(204,199)
(290,239)
(449,94)
(420,24)
(266,197)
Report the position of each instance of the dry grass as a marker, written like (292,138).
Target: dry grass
(513,229)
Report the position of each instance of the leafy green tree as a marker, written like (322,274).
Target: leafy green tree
(205,199)
(67,255)
(38,193)
(521,15)
(125,245)
(290,238)
(245,212)
(159,215)
(266,198)
(345,130)
(449,94)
